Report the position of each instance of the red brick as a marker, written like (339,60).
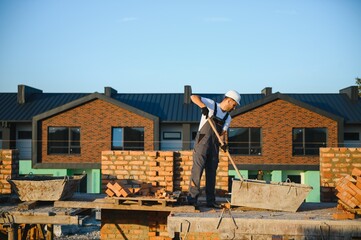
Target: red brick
(109,192)
(351,179)
(125,191)
(356,172)
(346,199)
(345,188)
(354,188)
(116,188)
(343,215)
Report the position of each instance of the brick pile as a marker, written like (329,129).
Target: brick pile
(116,189)
(122,188)
(349,195)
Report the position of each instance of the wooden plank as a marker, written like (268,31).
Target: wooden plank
(143,201)
(108,205)
(39,219)
(49,232)
(40,231)
(27,205)
(146,199)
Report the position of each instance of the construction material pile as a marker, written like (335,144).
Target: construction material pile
(126,188)
(349,195)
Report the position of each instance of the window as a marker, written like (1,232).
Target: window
(127,138)
(294,178)
(308,141)
(172,135)
(63,140)
(194,135)
(351,136)
(24,134)
(245,141)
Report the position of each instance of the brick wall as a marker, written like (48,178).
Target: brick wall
(142,225)
(277,119)
(9,167)
(95,120)
(167,169)
(334,164)
(128,225)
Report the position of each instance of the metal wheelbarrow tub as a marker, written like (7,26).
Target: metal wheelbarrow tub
(282,196)
(45,188)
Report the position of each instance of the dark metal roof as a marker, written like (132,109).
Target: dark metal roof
(38,103)
(337,104)
(169,107)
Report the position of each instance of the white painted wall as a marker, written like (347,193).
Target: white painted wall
(171,144)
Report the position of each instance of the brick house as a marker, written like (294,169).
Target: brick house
(280,134)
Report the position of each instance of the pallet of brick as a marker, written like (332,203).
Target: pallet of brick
(349,195)
(145,201)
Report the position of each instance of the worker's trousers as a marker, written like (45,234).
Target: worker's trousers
(205,157)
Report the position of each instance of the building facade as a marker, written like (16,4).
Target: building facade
(277,134)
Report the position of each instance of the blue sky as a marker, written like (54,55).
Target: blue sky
(293,46)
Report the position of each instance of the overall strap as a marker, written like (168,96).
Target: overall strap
(225,117)
(215,113)
(215,109)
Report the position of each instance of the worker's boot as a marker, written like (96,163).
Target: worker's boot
(192,201)
(214,205)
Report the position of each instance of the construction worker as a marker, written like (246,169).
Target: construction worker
(206,146)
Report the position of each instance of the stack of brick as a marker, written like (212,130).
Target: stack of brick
(9,168)
(349,195)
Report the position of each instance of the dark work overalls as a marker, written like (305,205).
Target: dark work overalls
(206,156)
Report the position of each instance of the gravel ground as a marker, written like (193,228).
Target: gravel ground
(90,230)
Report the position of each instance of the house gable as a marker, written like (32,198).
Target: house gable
(277,115)
(95,115)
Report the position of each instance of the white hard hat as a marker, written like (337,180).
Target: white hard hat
(234,95)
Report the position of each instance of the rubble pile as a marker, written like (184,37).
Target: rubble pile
(349,196)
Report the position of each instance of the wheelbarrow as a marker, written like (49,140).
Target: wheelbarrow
(280,196)
(45,188)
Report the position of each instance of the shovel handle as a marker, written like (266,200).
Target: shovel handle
(227,152)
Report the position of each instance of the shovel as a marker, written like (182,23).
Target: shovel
(227,152)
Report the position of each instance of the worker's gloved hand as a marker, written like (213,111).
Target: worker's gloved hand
(205,111)
(224,147)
